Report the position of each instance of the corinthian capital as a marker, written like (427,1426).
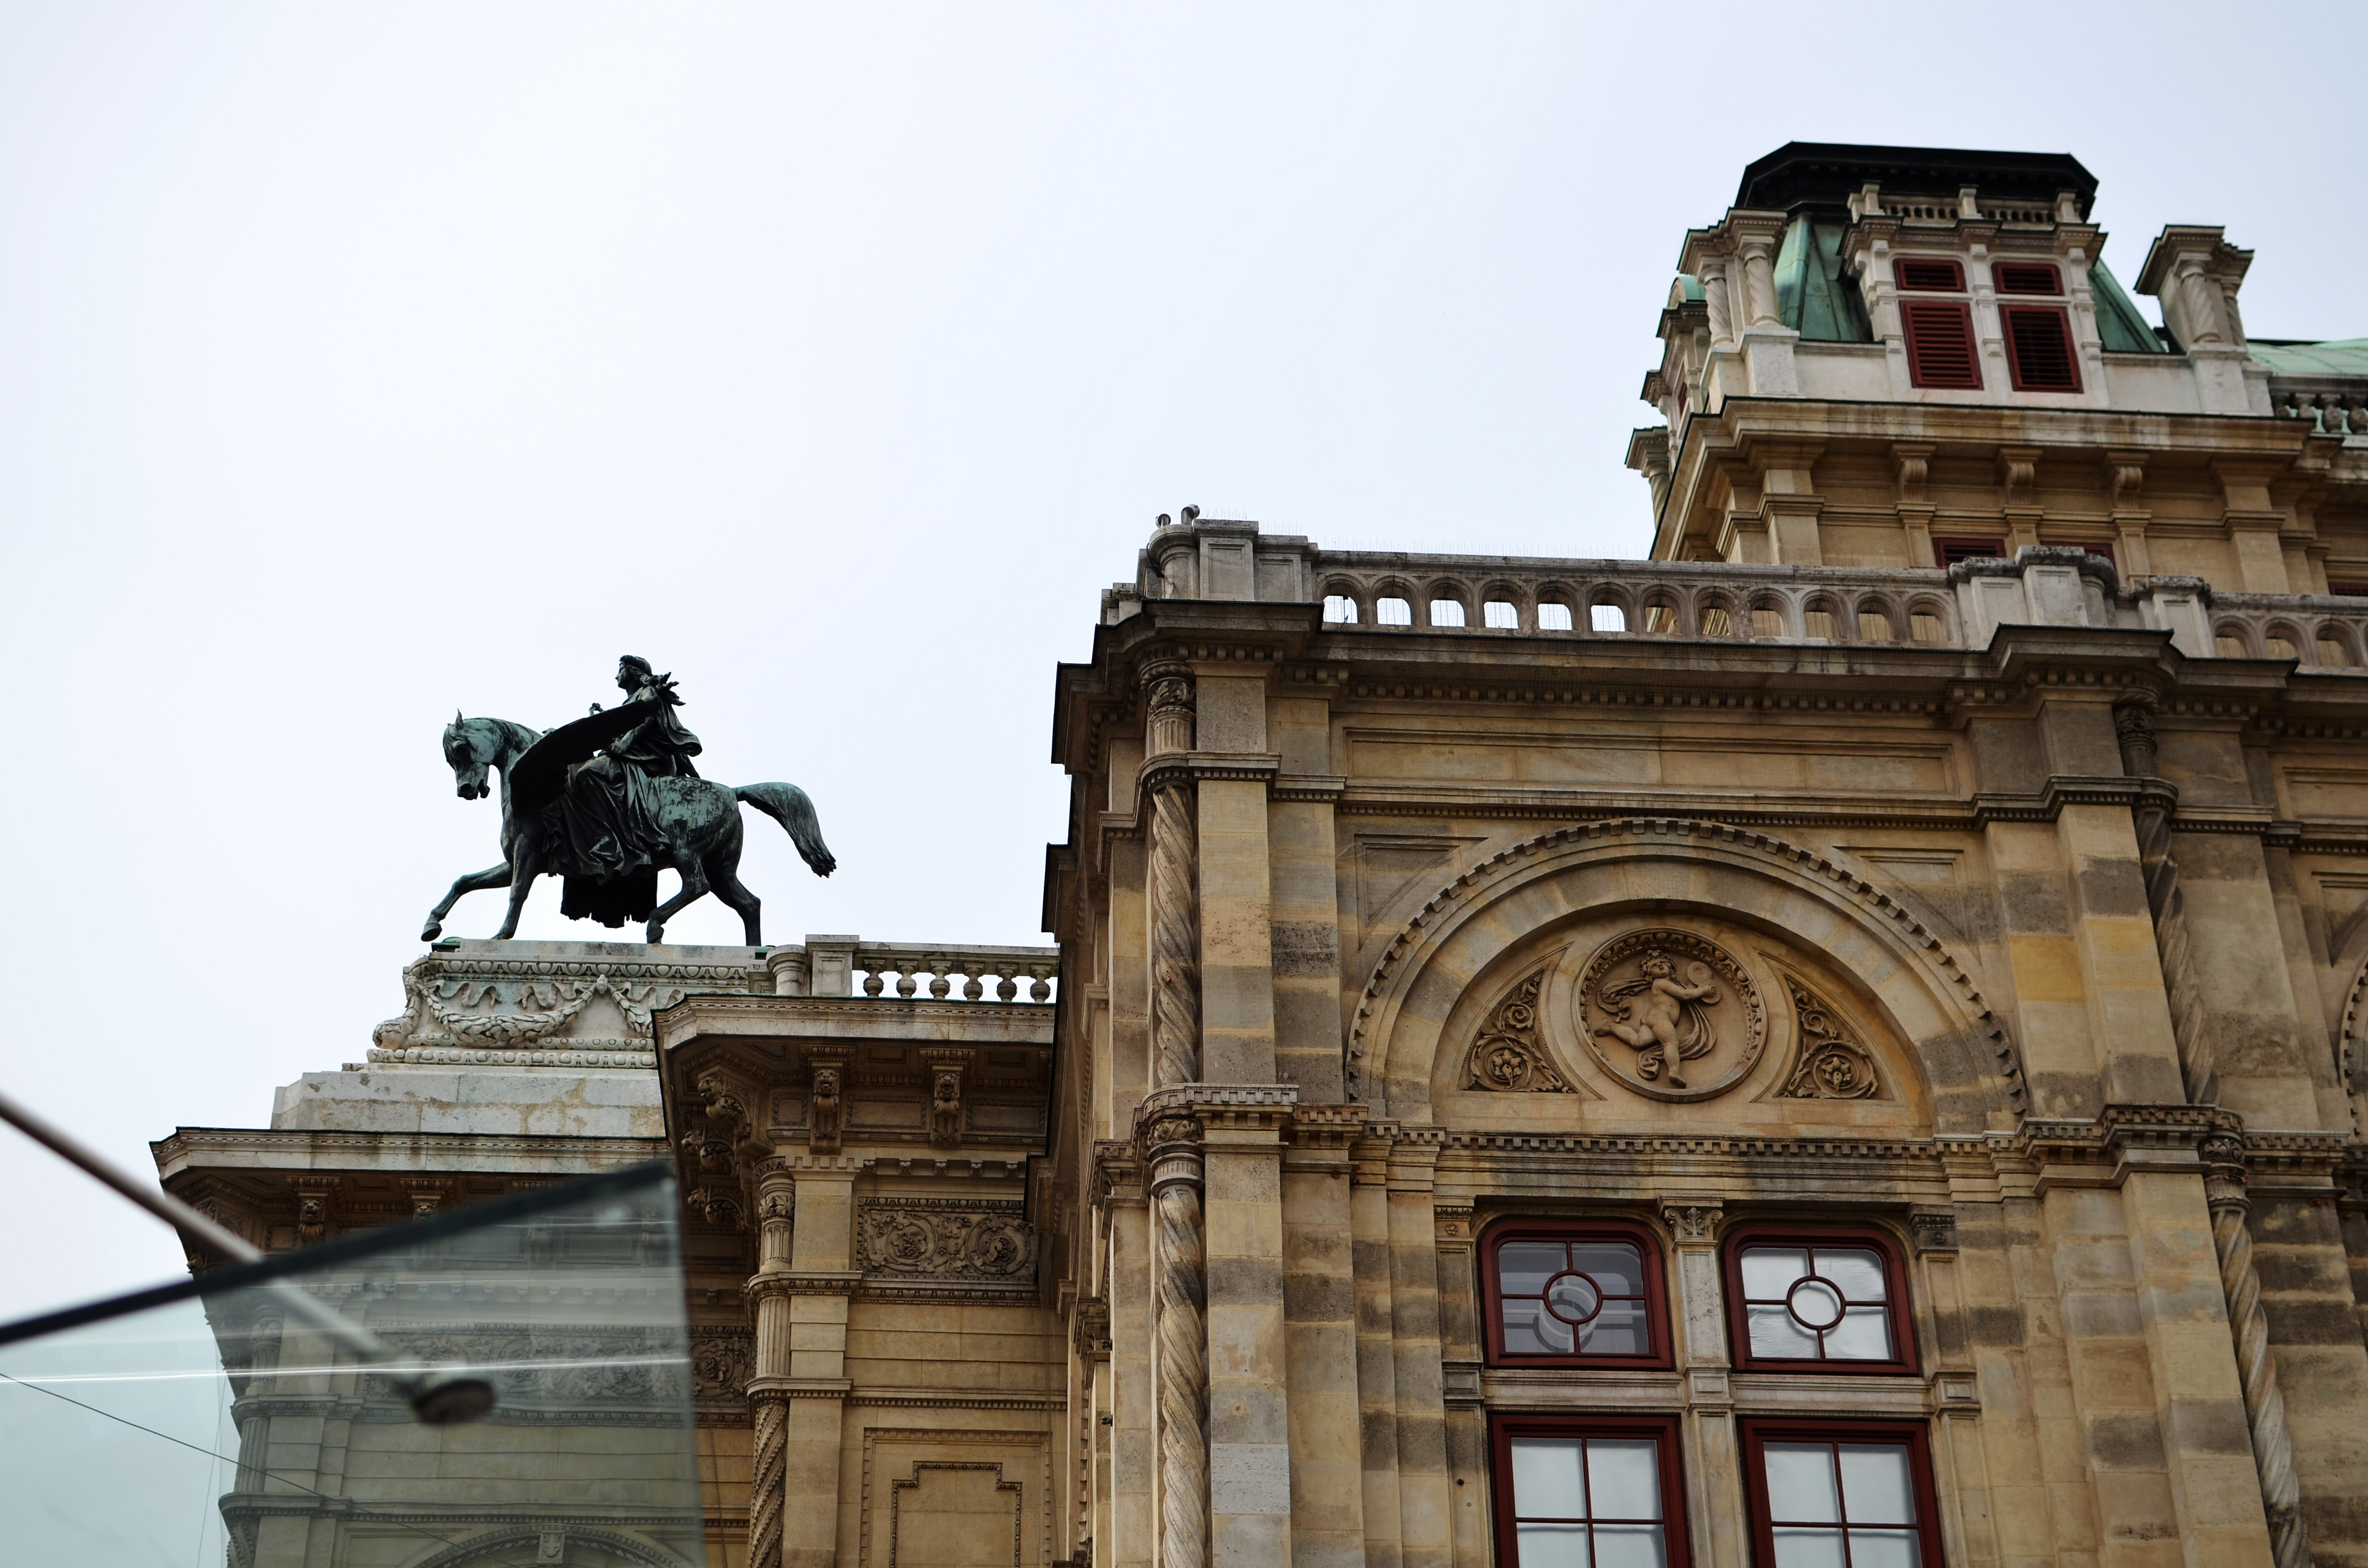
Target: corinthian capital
(1167,705)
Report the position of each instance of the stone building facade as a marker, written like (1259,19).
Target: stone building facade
(1839,1043)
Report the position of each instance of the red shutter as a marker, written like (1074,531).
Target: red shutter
(1928,273)
(2027,278)
(1940,343)
(2039,348)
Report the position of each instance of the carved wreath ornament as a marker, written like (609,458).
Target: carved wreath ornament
(1671,1015)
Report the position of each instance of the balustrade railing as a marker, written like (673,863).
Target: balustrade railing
(957,973)
(2332,410)
(1693,599)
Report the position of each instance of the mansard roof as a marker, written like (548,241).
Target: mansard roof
(1826,174)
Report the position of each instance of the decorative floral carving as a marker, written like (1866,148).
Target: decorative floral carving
(721,1362)
(1508,1053)
(922,1240)
(1830,1064)
(1672,997)
(1695,1223)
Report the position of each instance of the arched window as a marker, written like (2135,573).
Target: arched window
(1817,1300)
(1575,1295)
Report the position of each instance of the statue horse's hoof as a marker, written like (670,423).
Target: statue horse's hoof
(658,935)
(432,930)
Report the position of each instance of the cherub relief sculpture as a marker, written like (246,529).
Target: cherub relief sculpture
(1664,1019)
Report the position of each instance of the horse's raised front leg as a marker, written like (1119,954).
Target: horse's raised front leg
(694,888)
(475,881)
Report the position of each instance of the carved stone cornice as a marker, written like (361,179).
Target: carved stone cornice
(1117,1175)
(1934,1229)
(1090,1328)
(802,1282)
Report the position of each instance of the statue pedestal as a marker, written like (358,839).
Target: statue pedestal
(511,1063)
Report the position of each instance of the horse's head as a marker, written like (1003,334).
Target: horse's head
(470,745)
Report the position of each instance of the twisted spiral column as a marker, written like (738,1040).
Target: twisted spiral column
(2257,1365)
(767,1479)
(1175,939)
(1181,1345)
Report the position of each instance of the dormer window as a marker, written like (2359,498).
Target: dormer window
(1928,273)
(2027,278)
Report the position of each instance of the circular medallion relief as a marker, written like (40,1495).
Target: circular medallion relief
(1671,1015)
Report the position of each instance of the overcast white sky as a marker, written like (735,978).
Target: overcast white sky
(362,363)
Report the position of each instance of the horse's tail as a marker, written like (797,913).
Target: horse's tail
(787,804)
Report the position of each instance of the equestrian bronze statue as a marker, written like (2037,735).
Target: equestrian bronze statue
(608,803)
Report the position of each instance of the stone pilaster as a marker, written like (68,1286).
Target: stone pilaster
(1713,1459)
(1249,1403)
(1320,1322)
(1368,1249)
(819,1281)
(2257,1364)
(1425,1501)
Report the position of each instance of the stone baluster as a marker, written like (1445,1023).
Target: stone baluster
(2257,1364)
(1181,1293)
(769,1402)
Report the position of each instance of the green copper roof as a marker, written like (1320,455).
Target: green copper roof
(2119,321)
(2344,357)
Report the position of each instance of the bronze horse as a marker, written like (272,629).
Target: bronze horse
(698,819)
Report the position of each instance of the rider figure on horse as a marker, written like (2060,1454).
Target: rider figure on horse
(607,814)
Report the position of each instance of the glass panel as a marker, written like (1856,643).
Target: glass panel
(1614,1264)
(1864,1334)
(1816,1303)
(568,1304)
(1546,1482)
(1808,1548)
(1554,617)
(1623,1477)
(1884,1549)
(1801,1482)
(1530,1330)
(1620,1329)
(1773,1332)
(1769,1272)
(1523,1268)
(1859,1271)
(1875,1485)
(1393,612)
(1574,1298)
(1446,612)
(1499,614)
(1629,1546)
(1552,1546)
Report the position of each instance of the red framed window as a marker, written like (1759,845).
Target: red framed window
(1839,1494)
(2348,590)
(1941,344)
(1586,1492)
(2027,278)
(1952,551)
(1932,273)
(1575,1295)
(1817,1300)
(2039,355)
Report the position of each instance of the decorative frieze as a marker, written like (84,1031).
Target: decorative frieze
(942,1239)
(1672,997)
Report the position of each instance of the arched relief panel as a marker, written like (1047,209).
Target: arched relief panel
(1885,982)
(1665,1015)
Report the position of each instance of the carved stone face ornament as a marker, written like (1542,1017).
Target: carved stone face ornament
(1671,1015)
